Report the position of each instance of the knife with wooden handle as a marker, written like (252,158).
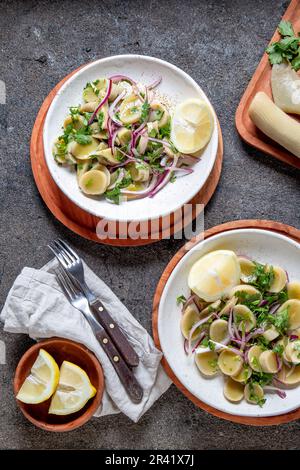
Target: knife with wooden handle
(111,327)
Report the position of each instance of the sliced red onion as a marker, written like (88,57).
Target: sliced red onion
(154,84)
(138,94)
(274,307)
(246,359)
(230,329)
(287,276)
(280,393)
(201,337)
(190,300)
(199,302)
(243,342)
(258,331)
(287,363)
(113,138)
(194,328)
(236,331)
(241,255)
(142,143)
(110,131)
(218,346)
(276,380)
(160,141)
(101,103)
(188,159)
(164,161)
(290,371)
(279,363)
(111,111)
(140,128)
(183,171)
(238,341)
(262,303)
(118,78)
(118,180)
(144,192)
(293,337)
(185,346)
(163,179)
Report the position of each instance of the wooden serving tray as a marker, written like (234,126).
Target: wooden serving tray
(83,223)
(261,81)
(277,227)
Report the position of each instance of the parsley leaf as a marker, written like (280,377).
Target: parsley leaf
(100,119)
(173,178)
(82,136)
(114,194)
(180,300)
(263,276)
(166,130)
(285,28)
(281,320)
(145,111)
(287,48)
(278,349)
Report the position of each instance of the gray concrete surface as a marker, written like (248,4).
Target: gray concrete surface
(219,43)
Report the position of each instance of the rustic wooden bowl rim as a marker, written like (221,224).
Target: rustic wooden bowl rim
(278,227)
(94,404)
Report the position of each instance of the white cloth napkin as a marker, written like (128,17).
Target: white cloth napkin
(36,306)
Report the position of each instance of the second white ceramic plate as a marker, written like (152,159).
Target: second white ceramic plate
(176,85)
(261,245)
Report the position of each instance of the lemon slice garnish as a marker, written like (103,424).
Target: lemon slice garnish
(192,125)
(42,381)
(214,275)
(73,391)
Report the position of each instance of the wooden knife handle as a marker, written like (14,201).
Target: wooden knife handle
(113,330)
(126,376)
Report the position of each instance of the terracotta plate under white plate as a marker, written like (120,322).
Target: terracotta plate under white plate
(177,86)
(261,245)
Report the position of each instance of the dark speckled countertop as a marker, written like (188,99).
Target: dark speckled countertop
(219,43)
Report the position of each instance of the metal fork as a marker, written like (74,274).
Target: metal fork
(72,263)
(79,301)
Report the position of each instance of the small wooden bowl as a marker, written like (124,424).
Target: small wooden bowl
(61,350)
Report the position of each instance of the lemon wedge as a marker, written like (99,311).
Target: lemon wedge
(42,381)
(192,125)
(286,88)
(214,275)
(73,391)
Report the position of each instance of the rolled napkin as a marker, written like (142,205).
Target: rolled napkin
(36,306)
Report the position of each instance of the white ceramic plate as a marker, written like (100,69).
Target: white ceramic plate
(261,245)
(177,86)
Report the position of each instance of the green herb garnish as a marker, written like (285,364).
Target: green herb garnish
(180,299)
(287,48)
(278,349)
(145,111)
